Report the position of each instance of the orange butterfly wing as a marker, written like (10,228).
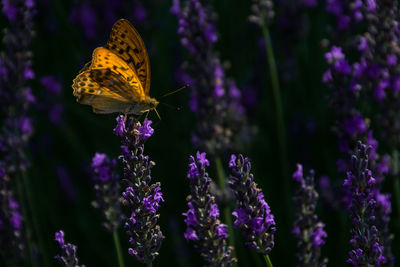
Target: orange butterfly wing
(104,59)
(126,42)
(118,77)
(97,88)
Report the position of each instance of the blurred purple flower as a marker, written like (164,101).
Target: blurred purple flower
(308,231)
(51,84)
(107,188)
(66,183)
(214,99)
(16,125)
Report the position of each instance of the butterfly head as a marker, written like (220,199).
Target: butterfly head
(152,103)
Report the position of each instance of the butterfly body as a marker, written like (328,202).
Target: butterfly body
(118,77)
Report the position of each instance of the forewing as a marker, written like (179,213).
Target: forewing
(106,64)
(126,42)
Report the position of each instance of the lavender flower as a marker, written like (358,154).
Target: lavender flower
(381,71)
(12,243)
(262,12)
(215,100)
(94,17)
(365,239)
(351,125)
(68,252)
(50,101)
(16,126)
(308,231)
(347,13)
(373,74)
(253,214)
(203,226)
(142,198)
(107,190)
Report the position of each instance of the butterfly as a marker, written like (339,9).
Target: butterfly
(118,77)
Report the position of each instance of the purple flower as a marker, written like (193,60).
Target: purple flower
(152,202)
(222,231)
(68,255)
(371,5)
(241,217)
(106,186)
(51,84)
(16,124)
(334,55)
(59,237)
(85,16)
(142,197)
(190,234)
(145,131)
(9,10)
(175,8)
(140,13)
(298,174)
(219,80)
(363,45)
(29,95)
(203,226)
(28,73)
(308,231)
(232,161)
(367,249)
(346,13)
(253,214)
(16,220)
(119,130)
(215,102)
(214,211)
(391,60)
(98,160)
(355,125)
(201,157)
(191,219)
(102,167)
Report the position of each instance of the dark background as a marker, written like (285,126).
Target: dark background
(61,153)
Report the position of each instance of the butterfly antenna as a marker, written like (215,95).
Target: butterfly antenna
(170,106)
(158,115)
(175,91)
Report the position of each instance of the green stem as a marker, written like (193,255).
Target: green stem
(26,221)
(281,132)
(280,123)
(118,248)
(35,222)
(227,214)
(268,262)
(276,92)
